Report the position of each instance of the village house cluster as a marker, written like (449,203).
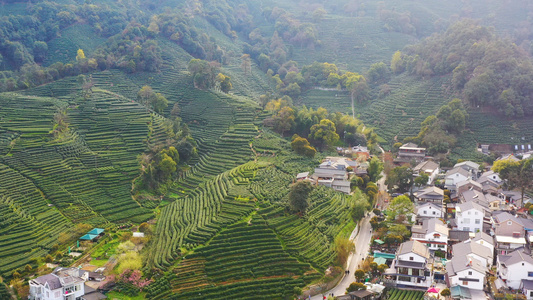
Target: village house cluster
(469,234)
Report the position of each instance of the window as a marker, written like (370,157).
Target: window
(466,228)
(478,221)
(469,212)
(529,274)
(509,222)
(425,212)
(475,213)
(465,282)
(531,294)
(411,258)
(434,213)
(469,272)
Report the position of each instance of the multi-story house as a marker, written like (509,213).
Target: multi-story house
(430,168)
(467,185)
(515,267)
(433,233)
(430,194)
(509,232)
(474,250)
(467,272)
(429,210)
(468,166)
(412,267)
(455,176)
(62,284)
(469,216)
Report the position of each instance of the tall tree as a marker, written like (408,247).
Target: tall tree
(298,196)
(375,167)
(401,177)
(323,134)
(517,174)
(400,206)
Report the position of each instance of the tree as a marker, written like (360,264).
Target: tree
(356,286)
(446,293)
(301,146)
(421,180)
(517,174)
(145,94)
(225,82)
(298,196)
(246,64)
(167,166)
(80,55)
(359,274)
(324,133)
(343,247)
(375,167)
(382,268)
(401,177)
(27,268)
(400,206)
(284,120)
(359,205)
(48,258)
(159,103)
(397,64)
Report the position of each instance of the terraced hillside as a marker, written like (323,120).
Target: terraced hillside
(396,115)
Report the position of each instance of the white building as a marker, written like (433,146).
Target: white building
(455,176)
(469,216)
(433,233)
(484,240)
(413,266)
(65,284)
(466,272)
(62,285)
(468,166)
(429,210)
(514,267)
(430,168)
(474,250)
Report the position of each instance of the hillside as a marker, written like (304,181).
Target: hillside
(75,131)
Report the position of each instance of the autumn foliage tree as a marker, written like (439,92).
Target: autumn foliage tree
(301,146)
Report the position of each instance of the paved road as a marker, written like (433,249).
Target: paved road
(361,241)
(362,244)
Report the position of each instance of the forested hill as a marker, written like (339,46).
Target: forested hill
(180,113)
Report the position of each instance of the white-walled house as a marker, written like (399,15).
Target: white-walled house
(465,271)
(468,166)
(455,176)
(430,168)
(65,284)
(514,267)
(58,285)
(474,250)
(469,216)
(412,266)
(526,286)
(484,240)
(431,194)
(433,233)
(429,210)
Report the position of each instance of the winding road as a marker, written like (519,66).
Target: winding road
(361,238)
